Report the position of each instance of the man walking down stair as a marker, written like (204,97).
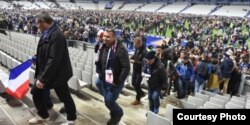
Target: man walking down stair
(114,70)
(53,69)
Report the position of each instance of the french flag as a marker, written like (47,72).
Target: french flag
(18,84)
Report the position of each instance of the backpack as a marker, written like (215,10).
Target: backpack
(171,71)
(202,70)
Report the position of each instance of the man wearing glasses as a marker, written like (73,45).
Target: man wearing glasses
(53,70)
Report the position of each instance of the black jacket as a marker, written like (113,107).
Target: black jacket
(138,58)
(120,64)
(53,67)
(158,77)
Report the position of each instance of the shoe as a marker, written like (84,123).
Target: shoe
(50,106)
(37,120)
(62,110)
(68,123)
(136,102)
(114,121)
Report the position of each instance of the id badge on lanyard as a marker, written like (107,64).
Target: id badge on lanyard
(109,76)
(108,72)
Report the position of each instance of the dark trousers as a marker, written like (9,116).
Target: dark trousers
(154,99)
(41,100)
(136,82)
(111,94)
(49,101)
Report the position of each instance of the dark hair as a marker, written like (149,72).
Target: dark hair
(111,30)
(44,17)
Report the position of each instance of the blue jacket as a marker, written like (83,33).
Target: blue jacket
(186,72)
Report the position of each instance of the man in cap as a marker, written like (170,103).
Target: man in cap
(155,74)
(226,67)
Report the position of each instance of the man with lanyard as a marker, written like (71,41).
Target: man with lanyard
(114,69)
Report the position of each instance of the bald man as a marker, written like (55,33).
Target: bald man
(137,60)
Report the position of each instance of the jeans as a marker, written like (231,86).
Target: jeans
(111,94)
(182,88)
(241,87)
(98,84)
(40,101)
(154,99)
(199,84)
(136,82)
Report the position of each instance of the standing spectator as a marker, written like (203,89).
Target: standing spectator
(185,71)
(155,73)
(53,70)
(114,71)
(243,69)
(226,69)
(203,71)
(137,60)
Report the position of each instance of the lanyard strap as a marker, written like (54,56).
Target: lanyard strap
(113,54)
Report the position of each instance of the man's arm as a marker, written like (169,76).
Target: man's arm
(125,66)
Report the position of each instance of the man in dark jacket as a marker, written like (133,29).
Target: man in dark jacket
(114,68)
(98,45)
(155,73)
(137,60)
(53,69)
(226,67)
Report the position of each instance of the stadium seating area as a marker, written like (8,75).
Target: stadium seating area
(179,7)
(231,11)
(203,9)
(152,7)
(4,5)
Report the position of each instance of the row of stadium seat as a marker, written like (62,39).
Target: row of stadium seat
(210,100)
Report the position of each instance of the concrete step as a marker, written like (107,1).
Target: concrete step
(56,118)
(132,115)
(16,110)
(5,118)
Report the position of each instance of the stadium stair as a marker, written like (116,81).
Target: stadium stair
(163,5)
(141,6)
(185,8)
(215,9)
(91,108)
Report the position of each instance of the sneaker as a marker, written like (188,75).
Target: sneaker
(136,102)
(68,123)
(37,120)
